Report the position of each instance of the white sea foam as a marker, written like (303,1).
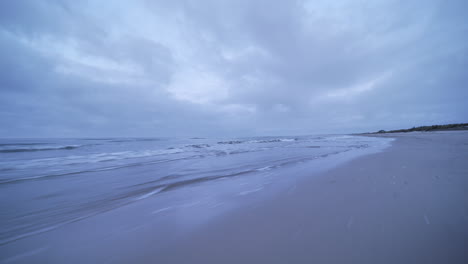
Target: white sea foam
(146,195)
(85,159)
(251,191)
(264,168)
(162,210)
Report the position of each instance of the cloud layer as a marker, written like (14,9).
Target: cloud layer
(224,68)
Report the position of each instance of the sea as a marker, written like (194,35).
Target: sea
(48,183)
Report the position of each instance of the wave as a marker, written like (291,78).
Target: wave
(32,149)
(86,159)
(20,144)
(161,185)
(198,146)
(274,140)
(121,140)
(65,165)
(231,142)
(116,167)
(102,158)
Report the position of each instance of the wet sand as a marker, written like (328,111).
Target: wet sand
(407,204)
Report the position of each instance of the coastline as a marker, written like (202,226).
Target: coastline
(406,204)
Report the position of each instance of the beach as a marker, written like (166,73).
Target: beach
(402,203)
(408,204)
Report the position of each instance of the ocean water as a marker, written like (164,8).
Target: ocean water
(48,183)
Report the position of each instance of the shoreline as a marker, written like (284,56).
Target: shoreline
(407,204)
(394,206)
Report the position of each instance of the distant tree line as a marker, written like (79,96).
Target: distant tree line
(462,126)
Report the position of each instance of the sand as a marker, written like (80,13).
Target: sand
(407,204)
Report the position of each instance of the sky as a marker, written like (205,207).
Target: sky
(230,68)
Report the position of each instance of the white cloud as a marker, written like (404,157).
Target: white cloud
(281,108)
(70,60)
(198,86)
(357,89)
(238,109)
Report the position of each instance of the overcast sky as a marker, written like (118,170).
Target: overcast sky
(230,68)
